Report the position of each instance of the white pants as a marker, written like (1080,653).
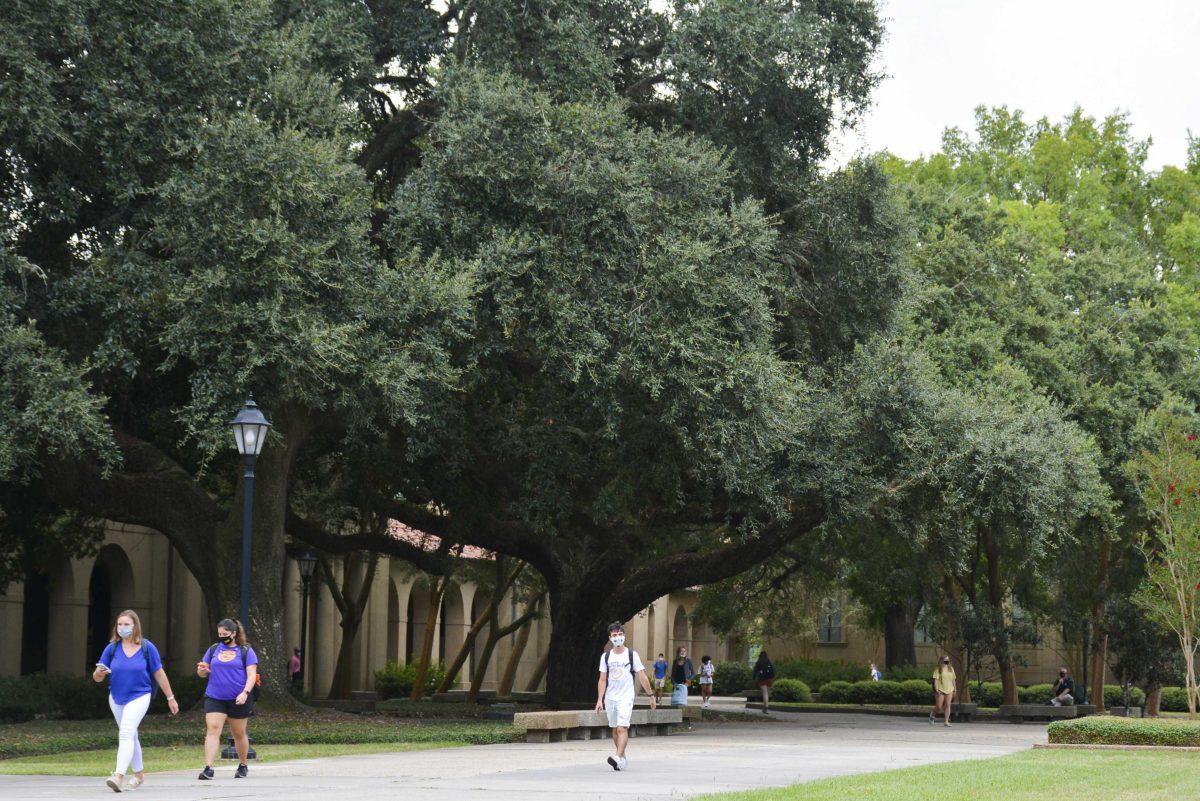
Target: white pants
(129,717)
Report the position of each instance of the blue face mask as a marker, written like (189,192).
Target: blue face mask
(124,632)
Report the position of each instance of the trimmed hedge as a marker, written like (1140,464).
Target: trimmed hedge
(1114,695)
(396,679)
(912,691)
(732,678)
(1173,699)
(791,690)
(819,672)
(1104,730)
(56,697)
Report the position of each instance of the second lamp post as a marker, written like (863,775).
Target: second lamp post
(249,430)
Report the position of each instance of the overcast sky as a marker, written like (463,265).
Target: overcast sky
(945,57)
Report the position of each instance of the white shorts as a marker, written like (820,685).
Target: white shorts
(706,681)
(619,713)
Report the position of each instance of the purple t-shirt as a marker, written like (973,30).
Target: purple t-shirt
(227,677)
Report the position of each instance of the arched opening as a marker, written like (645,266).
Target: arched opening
(35,623)
(110,590)
(418,612)
(650,633)
(441,652)
(453,628)
(478,604)
(680,635)
(393,623)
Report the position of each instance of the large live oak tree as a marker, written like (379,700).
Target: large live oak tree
(544,248)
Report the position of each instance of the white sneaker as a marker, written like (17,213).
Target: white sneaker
(113,783)
(622,762)
(133,783)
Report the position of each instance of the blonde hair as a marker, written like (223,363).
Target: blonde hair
(943,664)
(137,626)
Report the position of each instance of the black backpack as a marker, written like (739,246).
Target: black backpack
(242,649)
(631,655)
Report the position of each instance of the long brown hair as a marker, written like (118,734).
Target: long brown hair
(943,664)
(239,633)
(137,626)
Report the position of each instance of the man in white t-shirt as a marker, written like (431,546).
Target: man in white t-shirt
(615,691)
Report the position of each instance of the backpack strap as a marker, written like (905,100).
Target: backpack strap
(209,654)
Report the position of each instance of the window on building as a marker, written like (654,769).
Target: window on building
(829,624)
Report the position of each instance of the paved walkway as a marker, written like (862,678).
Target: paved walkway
(714,758)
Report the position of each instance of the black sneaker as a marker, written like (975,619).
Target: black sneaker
(613,761)
(241,772)
(206,774)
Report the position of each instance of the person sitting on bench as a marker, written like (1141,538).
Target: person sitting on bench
(1063,693)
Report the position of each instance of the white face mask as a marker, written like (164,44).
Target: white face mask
(124,632)
(617,640)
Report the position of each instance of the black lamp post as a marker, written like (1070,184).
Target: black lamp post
(249,431)
(307,563)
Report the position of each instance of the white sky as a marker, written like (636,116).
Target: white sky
(945,57)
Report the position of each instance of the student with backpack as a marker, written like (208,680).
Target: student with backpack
(764,675)
(707,671)
(231,667)
(133,666)
(660,677)
(616,690)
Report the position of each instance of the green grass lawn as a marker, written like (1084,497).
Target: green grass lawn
(1040,775)
(100,763)
(311,727)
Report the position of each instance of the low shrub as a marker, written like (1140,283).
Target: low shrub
(1104,730)
(918,691)
(1035,694)
(791,690)
(906,673)
(987,693)
(1173,699)
(1114,695)
(42,695)
(819,672)
(396,679)
(835,692)
(732,678)
(876,692)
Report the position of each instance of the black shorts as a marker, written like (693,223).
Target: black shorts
(229,708)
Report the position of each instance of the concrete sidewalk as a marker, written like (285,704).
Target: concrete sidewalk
(714,758)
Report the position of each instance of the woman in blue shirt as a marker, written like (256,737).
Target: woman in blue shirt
(131,663)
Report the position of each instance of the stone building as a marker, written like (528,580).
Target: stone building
(62,618)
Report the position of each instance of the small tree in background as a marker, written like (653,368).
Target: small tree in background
(1168,477)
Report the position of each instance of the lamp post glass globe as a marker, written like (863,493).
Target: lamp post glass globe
(250,429)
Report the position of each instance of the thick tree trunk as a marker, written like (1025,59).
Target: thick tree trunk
(539,673)
(514,661)
(1153,700)
(899,627)
(576,642)
(435,606)
(1100,646)
(1001,647)
(954,645)
(484,659)
(343,671)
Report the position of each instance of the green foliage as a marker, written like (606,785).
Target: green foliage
(1173,699)
(988,693)
(280,728)
(732,678)
(792,690)
(1103,730)
(1114,695)
(395,679)
(401,707)
(835,692)
(1036,694)
(913,691)
(59,697)
(819,672)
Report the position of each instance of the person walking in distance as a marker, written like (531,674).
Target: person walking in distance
(682,672)
(231,667)
(764,676)
(294,669)
(707,671)
(944,687)
(660,677)
(615,690)
(132,665)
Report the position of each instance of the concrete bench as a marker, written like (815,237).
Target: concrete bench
(577,724)
(1018,713)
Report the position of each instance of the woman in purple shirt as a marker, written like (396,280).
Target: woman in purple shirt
(231,667)
(130,663)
